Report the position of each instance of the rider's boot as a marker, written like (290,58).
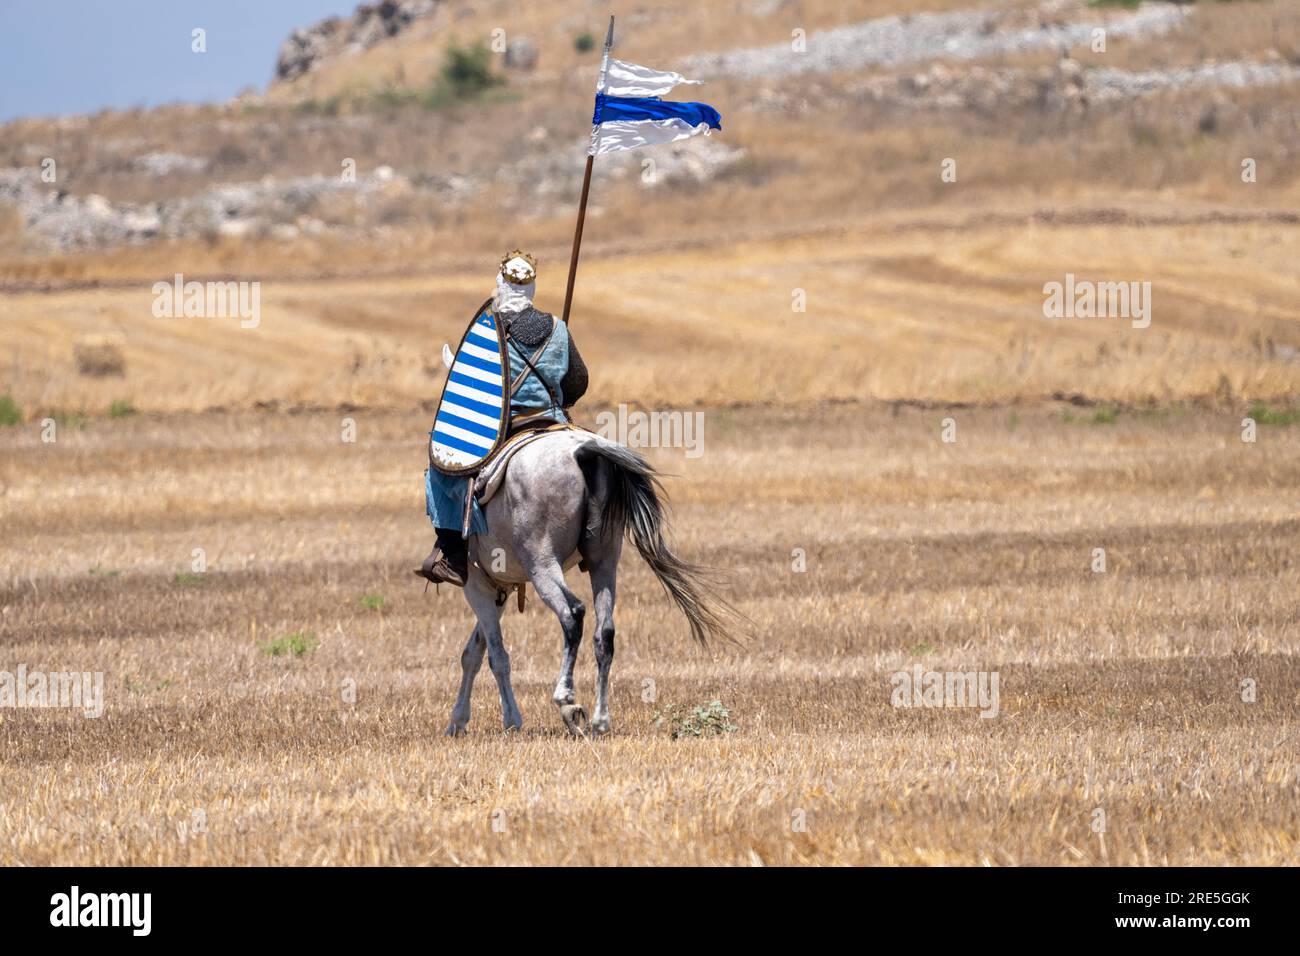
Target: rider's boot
(448,562)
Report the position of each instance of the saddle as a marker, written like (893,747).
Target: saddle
(493,473)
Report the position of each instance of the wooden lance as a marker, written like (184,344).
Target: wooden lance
(586,182)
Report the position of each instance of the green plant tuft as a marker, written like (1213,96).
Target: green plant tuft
(75,419)
(711,720)
(296,644)
(10,413)
(1263,415)
(468,71)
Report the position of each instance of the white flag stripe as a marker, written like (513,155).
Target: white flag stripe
(628,79)
(631,134)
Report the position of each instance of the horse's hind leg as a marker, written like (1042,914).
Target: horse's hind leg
(548,580)
(471,659)
(482,598)
(604,570)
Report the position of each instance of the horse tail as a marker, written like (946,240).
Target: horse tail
(633,500)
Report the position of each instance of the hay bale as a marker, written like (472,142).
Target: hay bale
(99,356)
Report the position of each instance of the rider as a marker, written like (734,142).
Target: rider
(547,377)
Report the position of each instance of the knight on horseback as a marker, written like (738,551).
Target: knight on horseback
(546,377)
(519,496)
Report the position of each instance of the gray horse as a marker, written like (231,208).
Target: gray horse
(569,496)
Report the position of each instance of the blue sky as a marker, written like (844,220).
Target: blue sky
(78,56)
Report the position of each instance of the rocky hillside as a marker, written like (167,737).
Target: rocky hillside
(422,119)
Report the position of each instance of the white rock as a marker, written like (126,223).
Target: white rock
(235,228)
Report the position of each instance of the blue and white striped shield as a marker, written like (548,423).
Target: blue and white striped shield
(474,409)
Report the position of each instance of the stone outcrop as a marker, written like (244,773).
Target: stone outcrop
(372,23)
(282,208)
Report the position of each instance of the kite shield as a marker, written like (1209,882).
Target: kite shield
(474,410)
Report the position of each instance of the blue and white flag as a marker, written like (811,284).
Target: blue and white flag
(629,111)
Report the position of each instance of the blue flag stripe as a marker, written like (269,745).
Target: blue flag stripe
(631,108)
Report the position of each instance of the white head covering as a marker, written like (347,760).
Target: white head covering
(512,296)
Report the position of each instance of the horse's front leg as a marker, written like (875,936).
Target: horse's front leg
(481,595)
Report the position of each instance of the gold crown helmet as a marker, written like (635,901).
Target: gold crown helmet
(519,268)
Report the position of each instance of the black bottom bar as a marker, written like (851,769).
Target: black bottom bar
(1219,906)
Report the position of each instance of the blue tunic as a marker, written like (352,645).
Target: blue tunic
(444,495)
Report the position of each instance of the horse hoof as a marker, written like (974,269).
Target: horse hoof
(600,727)
(575,719)
(454,730)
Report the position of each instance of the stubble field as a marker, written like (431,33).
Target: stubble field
(1121,692)
(914,308)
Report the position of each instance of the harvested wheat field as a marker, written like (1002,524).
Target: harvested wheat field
(989,315)
(908,310)
(285,705)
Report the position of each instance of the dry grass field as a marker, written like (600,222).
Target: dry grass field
(1120,690)
(912,309)
(826,300)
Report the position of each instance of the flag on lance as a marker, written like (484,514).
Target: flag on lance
(630,113)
